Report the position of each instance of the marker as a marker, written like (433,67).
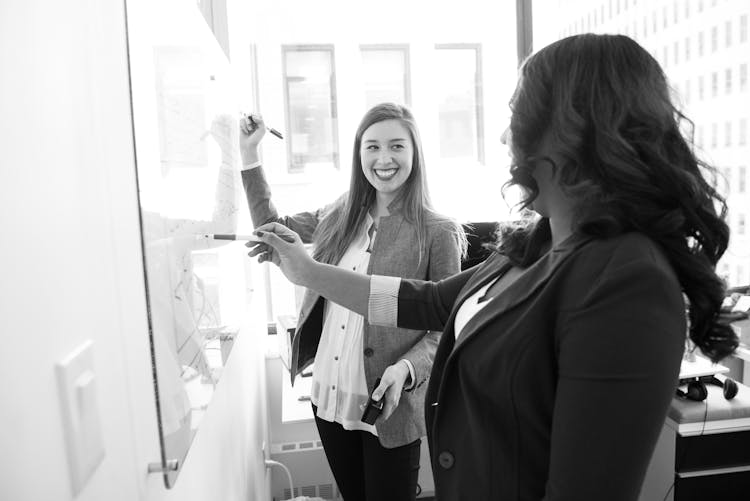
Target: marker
(249,238)
(269,129)
(232,236)
(275,132)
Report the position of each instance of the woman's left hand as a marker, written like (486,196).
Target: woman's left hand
(391,385)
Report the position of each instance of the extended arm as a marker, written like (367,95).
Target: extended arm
(390,301)
(257,190)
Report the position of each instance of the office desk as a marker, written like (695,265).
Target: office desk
(703,452)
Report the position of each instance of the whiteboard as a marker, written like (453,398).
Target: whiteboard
(186,139)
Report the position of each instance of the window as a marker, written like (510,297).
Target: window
(700,88)
(728,134)
(743,132)
(714,84)
(665,57)
(687,10)
(743,28)
(728,34)
(460,102)
(385,74)
(676,52)
(727,183)
(665,15)
(687,48)
(728,81)
(699,138)
(700,44)
(743,77)
(310,94)
(740,231)
(676,12)
(687,91)
(714,38)
(742,179)
(714,135)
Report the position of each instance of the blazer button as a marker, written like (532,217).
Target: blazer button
(446,460)
(369,352)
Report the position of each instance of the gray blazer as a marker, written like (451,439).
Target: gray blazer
(392,255)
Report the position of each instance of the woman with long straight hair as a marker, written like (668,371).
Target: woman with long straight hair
(384,224)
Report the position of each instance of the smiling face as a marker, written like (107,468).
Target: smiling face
(386,154)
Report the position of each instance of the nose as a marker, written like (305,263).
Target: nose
(385,157)
(505,136)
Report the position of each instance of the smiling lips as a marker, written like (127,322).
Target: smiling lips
(385,174)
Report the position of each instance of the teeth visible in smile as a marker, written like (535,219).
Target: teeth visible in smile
(385,173)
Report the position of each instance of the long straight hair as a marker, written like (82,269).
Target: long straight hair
(339,227)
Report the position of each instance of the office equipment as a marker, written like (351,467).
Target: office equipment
(703,451)
(373,407)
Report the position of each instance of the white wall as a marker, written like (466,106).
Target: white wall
(72,271)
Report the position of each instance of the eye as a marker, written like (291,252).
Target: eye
(371,147)
(398,146)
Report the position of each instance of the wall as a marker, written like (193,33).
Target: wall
(73,272)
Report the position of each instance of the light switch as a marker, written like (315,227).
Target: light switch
(80,409)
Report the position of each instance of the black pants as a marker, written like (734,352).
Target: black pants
(365,470)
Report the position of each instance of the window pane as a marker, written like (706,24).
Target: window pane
(459,102)
(311,108)
(386,75)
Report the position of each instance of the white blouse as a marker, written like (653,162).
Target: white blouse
(339,387)
(470,307)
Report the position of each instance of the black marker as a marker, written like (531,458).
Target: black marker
(249,238)
(269,129)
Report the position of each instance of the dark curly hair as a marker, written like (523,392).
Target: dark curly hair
(605,104)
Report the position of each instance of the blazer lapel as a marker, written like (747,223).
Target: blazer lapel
(525,286)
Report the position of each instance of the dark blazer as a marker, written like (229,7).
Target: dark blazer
(559,387)
(395,253)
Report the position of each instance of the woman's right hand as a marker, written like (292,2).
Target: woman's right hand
(252,130)
(285,249)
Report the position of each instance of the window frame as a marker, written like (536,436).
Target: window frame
(403,47)
(331,49)
(478,95)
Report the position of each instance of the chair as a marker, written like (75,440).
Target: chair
(476,235)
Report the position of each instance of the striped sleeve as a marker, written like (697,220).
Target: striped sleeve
(382,307)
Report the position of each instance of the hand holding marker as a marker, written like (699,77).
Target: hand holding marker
(254,125)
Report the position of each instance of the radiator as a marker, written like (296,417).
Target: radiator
(308,465)
(312,477)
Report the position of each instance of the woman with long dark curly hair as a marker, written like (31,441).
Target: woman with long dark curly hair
(561,352)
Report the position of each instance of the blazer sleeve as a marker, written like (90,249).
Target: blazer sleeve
(444,257)
(619,354)
(262,209)
(421,304)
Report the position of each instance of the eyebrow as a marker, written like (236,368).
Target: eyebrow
(390,140)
